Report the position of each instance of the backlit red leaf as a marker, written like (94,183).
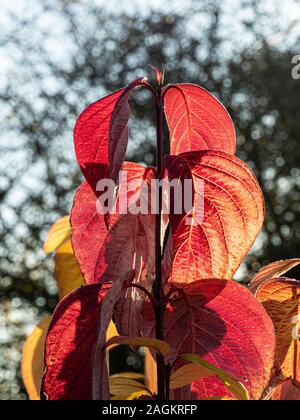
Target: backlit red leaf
(227,215)
(101,135)
(100,383)
(118,131)
(281,299)
(197,120)
(91,136)
(88,233)
(128,245)
(69,345)
(222,322)
(90,237)
(133,238)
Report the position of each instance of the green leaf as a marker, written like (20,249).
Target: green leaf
(187,374)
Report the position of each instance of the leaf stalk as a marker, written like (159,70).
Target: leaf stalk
(157,289)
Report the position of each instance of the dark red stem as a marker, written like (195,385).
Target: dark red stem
(157,289)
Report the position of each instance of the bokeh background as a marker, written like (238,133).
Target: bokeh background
(58,56)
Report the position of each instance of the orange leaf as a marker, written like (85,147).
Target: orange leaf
(281,299)
(58,234)
(118,130)
(197,120)
(33,359)
(211,239)
(271,271)
(288,391)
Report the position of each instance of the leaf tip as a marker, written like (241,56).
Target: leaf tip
(159,74)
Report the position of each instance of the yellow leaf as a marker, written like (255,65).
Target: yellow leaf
(150,372)
(160,346)
(33,359)
(232,384)
(139,394)
(67,272)
(65,248)
(125,386)
(133,396)
(187,374)
(111,331)
(58,234)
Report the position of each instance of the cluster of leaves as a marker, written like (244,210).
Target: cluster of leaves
(219,338)
(42,93)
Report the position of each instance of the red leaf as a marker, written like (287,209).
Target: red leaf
(100,381)
(69,345)
(88,233)
(101,135)
(197,120)
(131,246)
(91,135)
(222,322)
(90,238)
(231,206)
(118,131)
(128,245)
